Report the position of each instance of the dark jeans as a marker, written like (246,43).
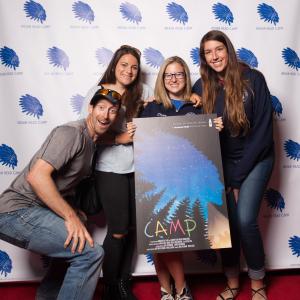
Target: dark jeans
(117,195)
(243,223)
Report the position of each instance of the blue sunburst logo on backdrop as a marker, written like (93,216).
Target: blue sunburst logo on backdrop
(153,57)
(8,156)
(76,103)
(294,244)
(5,263)
(31,106)
(177,13)
(277,106)
(104,56)
(292,149)
(83,12)
(58,58)
(223,13)
(248,57)
(150,258)
(130,12)
(291,58)
(35,11)
(268,13)
(195,56)
(274,199)
(9,58)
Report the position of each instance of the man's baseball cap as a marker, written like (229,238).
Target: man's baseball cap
(108,94)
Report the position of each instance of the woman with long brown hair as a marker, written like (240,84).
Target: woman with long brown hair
(240,95)
(115,171)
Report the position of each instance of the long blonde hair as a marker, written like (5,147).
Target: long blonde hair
(160,92)
(234,86)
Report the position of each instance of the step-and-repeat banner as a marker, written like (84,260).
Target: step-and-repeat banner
(53,51)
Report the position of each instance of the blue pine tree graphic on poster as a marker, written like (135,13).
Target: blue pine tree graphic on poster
(294,244)
(223,13)
(83,12)
(203,187)
(153,57)
(291,58)
(9,58)
(130,12)
(177,13)
(35,11)
(268,13)
(8,156)
(31,106)
(292,149)
(5,263)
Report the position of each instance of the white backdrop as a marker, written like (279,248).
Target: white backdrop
(53,51)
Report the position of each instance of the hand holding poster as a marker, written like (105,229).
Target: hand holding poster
(180,200)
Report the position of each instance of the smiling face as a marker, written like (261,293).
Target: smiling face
(101,116)
(216,56)
(175,85)
(126,70)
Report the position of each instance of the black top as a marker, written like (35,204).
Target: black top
(245,151)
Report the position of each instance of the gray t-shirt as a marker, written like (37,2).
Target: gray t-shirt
(69,149)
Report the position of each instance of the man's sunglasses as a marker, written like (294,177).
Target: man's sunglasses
(107,92)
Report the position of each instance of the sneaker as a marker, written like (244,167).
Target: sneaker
(185,295)
(164,295)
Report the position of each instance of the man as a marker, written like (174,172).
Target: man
(35,212)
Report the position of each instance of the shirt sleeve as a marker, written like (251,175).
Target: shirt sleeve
(148,112)
(63,143)
(259,140)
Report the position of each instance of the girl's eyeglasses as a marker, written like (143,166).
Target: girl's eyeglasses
(178,75)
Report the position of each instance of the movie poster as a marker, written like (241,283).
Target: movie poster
(179,186)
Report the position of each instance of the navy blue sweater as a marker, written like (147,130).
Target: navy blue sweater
(154,109)
(246,151)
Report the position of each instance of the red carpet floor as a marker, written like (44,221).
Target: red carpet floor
(282,286)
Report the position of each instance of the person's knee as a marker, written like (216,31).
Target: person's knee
(94,254)
(99,253)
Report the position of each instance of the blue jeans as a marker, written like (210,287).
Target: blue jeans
(42,231)
(243,223)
